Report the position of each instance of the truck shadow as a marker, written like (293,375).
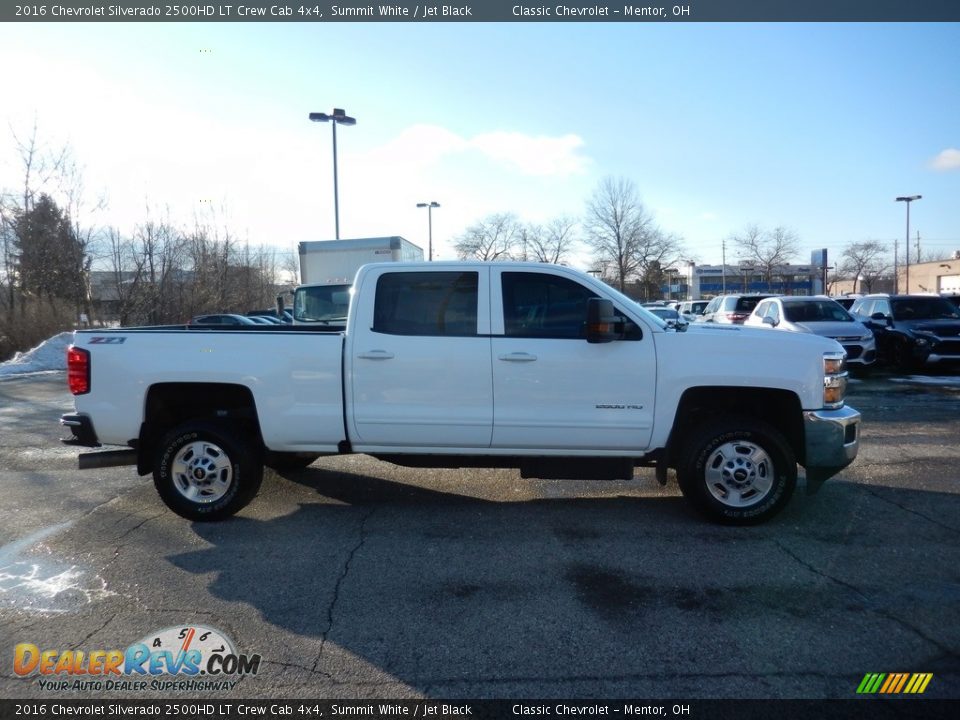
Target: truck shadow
(570,597)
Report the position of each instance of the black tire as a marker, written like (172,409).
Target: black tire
(288,461)
(737,470)
(903,358)
(206,471)
(860,372)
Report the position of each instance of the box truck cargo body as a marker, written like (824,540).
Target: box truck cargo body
(335,262)
(327,268)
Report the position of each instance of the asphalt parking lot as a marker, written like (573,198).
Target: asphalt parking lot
(357,579)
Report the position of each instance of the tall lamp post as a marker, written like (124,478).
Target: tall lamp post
(337,117)
(908,199)
(429,206)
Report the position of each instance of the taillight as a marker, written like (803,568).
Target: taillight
(737,318)
(78,370)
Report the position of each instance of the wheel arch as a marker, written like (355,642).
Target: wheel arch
(170,404)
(781,409)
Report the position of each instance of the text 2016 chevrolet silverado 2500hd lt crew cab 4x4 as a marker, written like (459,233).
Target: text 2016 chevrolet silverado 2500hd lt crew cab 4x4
(533,366)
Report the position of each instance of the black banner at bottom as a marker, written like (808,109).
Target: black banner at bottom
(874,709)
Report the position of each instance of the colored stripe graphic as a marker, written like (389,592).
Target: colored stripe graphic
(894,683)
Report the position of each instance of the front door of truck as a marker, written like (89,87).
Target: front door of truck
(419,360)
(552,389)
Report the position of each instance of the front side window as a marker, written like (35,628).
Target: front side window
(763,310)
(544,306)
(426,303)
(924,308)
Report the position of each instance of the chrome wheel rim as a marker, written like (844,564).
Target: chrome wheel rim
(202,472)
(739,474)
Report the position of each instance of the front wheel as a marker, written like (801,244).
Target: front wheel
(205,471)
(737,470)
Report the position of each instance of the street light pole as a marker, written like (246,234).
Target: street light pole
(429,206)
(908,199)
(337,117)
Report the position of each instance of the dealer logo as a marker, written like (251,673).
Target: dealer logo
(188,651)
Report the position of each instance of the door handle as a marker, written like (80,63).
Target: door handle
(376,355)
(518,357)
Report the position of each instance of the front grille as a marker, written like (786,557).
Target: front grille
(853,351)
(948,347)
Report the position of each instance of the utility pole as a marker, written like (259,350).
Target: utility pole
(896,269)
(723,269)
(908,199)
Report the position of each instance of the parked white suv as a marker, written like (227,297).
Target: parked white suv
(690,310)
(730,309)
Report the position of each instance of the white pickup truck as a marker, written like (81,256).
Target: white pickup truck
(532,366)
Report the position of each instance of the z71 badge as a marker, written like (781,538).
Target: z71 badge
(107,340)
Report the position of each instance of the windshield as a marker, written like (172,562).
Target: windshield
(321,303)
(815,311)
(923,308)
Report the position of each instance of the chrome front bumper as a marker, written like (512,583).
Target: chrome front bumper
(832,442)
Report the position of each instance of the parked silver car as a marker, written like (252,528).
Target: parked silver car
(819,315)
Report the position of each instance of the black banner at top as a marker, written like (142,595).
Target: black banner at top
(486,11)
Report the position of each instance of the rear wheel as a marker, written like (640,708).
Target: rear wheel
(206,471)
(737,470)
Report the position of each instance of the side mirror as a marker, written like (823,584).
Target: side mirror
(601,321)
(880,317)
(767,320)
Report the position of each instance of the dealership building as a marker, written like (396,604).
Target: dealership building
(695,282)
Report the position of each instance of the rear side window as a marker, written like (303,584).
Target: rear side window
(426,303)
(747,304)
(544,306)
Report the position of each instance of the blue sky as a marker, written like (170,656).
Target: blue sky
(816,127)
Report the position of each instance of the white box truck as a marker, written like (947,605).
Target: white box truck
(327,268)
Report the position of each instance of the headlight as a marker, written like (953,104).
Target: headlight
(834,363)
(834,379)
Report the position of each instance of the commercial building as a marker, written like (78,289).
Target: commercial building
(695,282)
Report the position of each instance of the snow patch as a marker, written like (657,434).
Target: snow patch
(48,356)
(945,381)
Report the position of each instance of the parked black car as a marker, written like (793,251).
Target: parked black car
(911,330)
(222,319)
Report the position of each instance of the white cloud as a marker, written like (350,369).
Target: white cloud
(949,159)
(419,146)
(539,156)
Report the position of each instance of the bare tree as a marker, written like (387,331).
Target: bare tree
(768,251)
(495,237)
(865,261)
(623,235)
(550,243)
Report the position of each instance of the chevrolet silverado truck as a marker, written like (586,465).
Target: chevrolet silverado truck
(529,366)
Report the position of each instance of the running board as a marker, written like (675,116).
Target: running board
(107,458)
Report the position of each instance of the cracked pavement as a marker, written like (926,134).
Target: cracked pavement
(357,579)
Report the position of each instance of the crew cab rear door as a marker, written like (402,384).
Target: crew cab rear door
(418,359)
